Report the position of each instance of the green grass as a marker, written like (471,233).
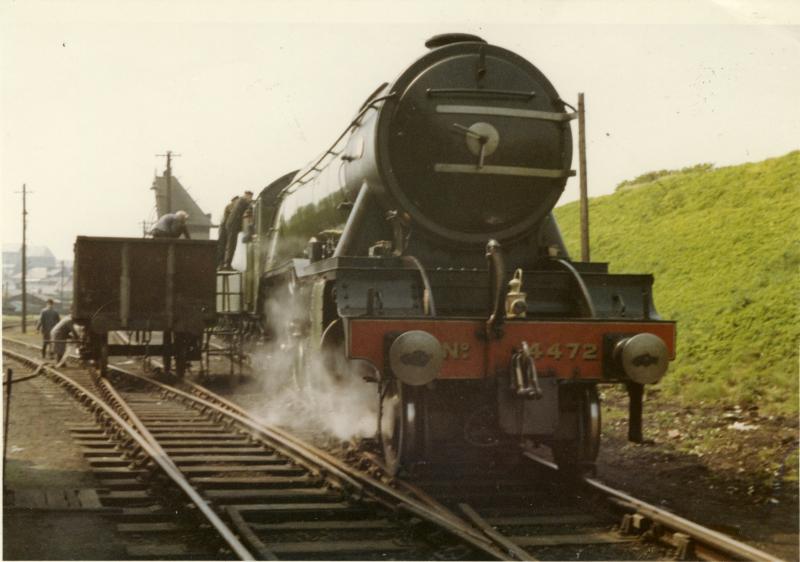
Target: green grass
(724,246)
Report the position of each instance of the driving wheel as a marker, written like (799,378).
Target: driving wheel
(400,426)
(580,411)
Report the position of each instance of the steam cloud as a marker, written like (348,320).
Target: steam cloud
(329,399)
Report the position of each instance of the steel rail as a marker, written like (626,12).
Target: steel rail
(30,345)
(271,434)
(705,537)
(518,552)
(498,538)
(362,483)
(21,342)
(430,504)
(163,461)
(314,465)
(410,488)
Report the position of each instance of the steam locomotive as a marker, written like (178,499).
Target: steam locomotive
(420,251)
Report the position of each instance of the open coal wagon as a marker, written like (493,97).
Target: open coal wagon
(144,287)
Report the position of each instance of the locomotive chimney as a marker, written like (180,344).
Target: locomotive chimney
(448,38)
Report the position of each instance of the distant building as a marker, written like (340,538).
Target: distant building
(199,223)
(36,256)
(12,305)
(45,278)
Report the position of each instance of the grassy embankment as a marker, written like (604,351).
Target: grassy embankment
(724,246)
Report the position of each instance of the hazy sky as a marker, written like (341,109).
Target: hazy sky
(246,91)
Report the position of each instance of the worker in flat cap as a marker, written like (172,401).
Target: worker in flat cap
(233,225)
(222,237)
(48,318)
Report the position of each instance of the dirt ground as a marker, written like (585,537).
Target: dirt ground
(733,470)
(43,457)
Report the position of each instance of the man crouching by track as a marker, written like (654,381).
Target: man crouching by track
(60,335)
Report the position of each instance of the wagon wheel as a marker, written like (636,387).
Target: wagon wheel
(97,345)
(181,351)
(166,355)
(102,355)
(400,420)
(580,407)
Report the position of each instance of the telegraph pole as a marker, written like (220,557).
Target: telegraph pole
(24,260)
(169,181)
(583,187)
(168,176)
(61,292)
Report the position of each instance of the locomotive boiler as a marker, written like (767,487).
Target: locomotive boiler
(420,252)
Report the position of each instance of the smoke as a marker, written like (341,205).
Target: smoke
(315,394)
(339,404)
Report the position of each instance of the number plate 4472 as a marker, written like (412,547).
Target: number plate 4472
(580,351)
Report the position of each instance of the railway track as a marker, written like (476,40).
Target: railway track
(529,511)
(285,499)
(265,494)
(134,471)
(528,505)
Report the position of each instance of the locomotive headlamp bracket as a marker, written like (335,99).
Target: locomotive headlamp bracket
(611,370)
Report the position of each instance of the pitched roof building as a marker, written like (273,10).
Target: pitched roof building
(199,223)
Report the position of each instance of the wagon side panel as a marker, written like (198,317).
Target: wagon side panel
(96,282)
